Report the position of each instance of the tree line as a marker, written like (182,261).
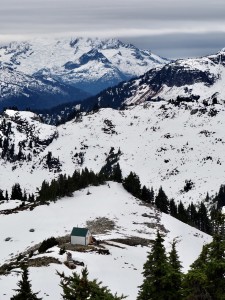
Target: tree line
(198,216)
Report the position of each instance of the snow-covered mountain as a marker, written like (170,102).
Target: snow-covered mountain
(163,143)
(25,91)
(200,79)
(70,69)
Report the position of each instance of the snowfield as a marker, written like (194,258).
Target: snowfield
(51,54)
(164,144)
(113,202)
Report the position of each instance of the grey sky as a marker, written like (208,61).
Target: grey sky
(172,28)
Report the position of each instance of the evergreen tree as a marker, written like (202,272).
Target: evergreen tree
(146,195)
(116,173)
(161,201)
(1,195)
(217,222)
(204,222)
(173,208)
(132,184)
(78,287)
(16,193)
(24,291)
(20,154)
(6,195)
(182,213)
(152,195)
(175,292)
(220,197)
(5,147)
(206,277)
(192,215)
(156,283)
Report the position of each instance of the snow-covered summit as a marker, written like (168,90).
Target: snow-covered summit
(193,79)
(88,64)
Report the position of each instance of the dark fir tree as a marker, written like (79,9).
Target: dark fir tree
(6,195)
(156,283)
(206,277)
(204,221)
(146,195)
(24,291)
(220,197)
(79,287)
(217,222)
(132,184)
(175,291)
(192,215)
(173,208)
(182,213)
(16,193)
(116,173)
(1,195)
(161,201)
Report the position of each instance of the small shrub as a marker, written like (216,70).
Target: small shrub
(188,185)
(46,244)
(62,251)
(31,253)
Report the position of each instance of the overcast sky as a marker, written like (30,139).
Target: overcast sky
(171,28)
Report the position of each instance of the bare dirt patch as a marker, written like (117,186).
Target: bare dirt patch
(101,225)
(133,241)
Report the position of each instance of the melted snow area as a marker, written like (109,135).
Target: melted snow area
(121,270)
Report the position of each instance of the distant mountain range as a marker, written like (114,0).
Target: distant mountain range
(201,79)
(44,73)
(184,80)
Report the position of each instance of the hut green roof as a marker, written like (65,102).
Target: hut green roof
(79,231)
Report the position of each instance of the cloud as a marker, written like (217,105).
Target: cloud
(112,18)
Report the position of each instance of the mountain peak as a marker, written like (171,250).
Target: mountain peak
(93,55)
(87,64)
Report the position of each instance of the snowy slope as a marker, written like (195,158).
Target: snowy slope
(196,79)
(200,78)
(131,220)
(26,91)
(164,144)
(53,54)
(87,64)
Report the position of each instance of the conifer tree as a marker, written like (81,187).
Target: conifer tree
(205,279)
(6,195)
(182,213)
(204,222)
(161,201)
(132,184)
(175,292)
(24,291)
(156,282)
(78,287)
(192,215)
(146,194)
(173,208)
(116,173)
(16,193)
(1,195)
(220,197)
